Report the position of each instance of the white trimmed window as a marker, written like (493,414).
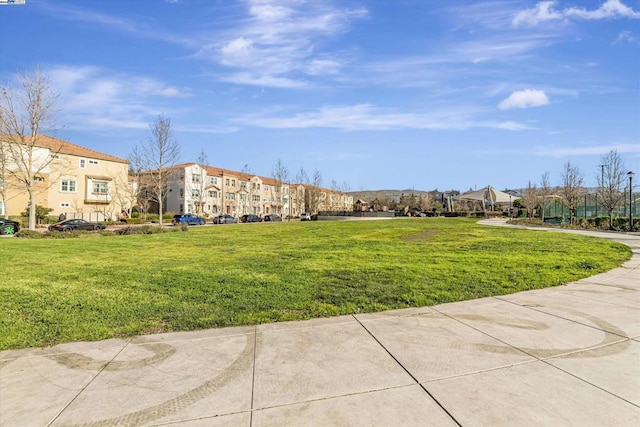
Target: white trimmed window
(64,205)
(213,180)
(83,163)
(100,187)
(94,162)
(68,186)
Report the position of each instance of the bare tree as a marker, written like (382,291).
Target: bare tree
(571,188)
(197,184)
(281,177)
(530,199)
(301,178)
(544,191)
(157,159)
(314,191)
(25,112)
(610,183)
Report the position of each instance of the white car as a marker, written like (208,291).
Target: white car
(305,216)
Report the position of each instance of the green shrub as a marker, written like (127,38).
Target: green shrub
(29,234)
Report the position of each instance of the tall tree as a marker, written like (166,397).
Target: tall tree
(544,191)
(301,178)
(26,111)
(197,183)
(571,188)
(281,177)
(315,191)
(611,182)
(530,199)
(157,159)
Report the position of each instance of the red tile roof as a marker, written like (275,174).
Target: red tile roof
(65,147)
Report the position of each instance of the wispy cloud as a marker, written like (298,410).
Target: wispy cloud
(558,152)
(92,96)
(278,41)
(524,99)
(361,117)
(546,11)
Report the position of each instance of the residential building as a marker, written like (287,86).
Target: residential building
(211,191)
(73,180)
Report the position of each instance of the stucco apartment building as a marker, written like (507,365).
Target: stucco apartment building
(211,191)
(76,181)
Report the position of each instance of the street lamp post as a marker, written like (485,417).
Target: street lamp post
(630,175)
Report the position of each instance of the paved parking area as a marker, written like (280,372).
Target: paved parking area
(563,356)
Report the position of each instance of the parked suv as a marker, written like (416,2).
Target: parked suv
(189,219)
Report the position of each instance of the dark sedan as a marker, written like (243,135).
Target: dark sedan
(225,219)
(8,227)
(250,218)
(272,218)
(76,224)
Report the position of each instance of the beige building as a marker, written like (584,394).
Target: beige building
(211,191)
(71,179)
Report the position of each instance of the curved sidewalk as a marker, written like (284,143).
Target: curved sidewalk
(562,356)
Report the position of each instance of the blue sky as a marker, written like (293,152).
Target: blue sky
(374,94)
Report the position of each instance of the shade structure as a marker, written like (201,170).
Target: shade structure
(488,194)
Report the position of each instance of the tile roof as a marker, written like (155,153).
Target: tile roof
(65,147)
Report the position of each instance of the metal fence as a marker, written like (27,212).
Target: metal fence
(588,207)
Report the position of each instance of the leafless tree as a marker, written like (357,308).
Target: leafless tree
(157,159)
(281,177)
(197,185)
(315,192)
(301,178)
(530,199)
(544,192)
(571,188)
(26,111)
(611,182)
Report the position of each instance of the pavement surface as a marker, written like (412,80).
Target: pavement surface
(563,356)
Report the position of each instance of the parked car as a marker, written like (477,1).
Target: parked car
(250,218)
(189,219)
(305,216)
(225,219)
(8,227)
(272,218)
(76,224)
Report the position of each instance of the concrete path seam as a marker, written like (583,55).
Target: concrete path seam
(422,386)
(126,344)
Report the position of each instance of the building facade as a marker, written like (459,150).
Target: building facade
(70,179)
(211,191)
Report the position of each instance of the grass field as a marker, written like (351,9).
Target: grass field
(96,287)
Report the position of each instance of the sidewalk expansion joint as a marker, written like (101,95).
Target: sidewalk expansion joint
(422,386)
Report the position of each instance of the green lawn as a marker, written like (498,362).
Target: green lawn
(96,287)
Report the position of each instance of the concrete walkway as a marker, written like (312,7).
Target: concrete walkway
(564,356)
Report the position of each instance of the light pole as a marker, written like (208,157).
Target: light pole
(630,175)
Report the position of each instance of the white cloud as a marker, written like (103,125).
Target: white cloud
(361,117)
(587,150)
(544,11)
(279,41)
(524,99)
(94,97)
(625,37)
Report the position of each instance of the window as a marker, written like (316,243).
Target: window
(64,204)
(1,207)
(38,179)
(68,186)
(213,180)
(83,163)
(182,192)
(195,179)
(230,196)
(100,187)
(226,181)
(195,193)
(93,162)
(266,188)
(256,198)
(213,194)
(233,182)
